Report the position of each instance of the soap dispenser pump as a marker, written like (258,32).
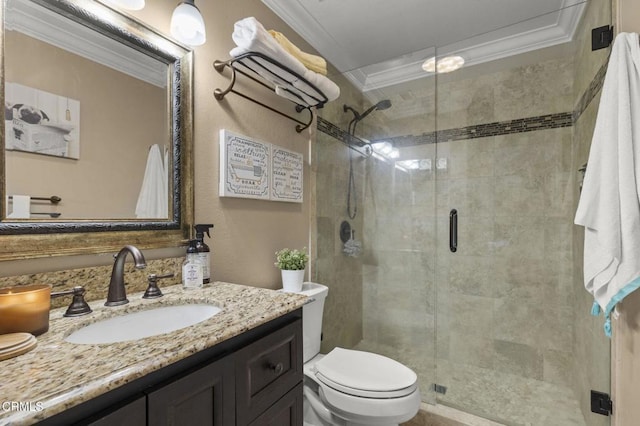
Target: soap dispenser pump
(204,253)
(192,276)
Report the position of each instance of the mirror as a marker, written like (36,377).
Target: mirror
(97,130)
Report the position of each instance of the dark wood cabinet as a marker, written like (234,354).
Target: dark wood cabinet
(253,379)
(203,397)
(130,414)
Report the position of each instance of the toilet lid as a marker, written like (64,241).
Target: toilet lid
(365,374)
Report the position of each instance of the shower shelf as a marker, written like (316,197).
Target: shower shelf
(270,73)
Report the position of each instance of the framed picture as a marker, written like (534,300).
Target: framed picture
(245,167)
(286,175)
(41,122)
(259,170)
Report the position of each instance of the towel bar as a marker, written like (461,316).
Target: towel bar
(54,199)
(53,215)
(252,66)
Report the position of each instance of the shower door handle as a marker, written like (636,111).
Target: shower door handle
(453,230)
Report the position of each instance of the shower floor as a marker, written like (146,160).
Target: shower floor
(502,397)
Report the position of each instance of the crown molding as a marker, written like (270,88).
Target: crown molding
(475,51)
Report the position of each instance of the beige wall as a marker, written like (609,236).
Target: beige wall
(626,340)
(121,117)
(247,232)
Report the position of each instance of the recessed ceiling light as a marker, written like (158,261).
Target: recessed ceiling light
(444,65)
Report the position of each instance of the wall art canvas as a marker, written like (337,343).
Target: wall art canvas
(41,122)
(244,166)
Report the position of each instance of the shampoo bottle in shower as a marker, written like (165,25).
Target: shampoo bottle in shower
(192,276)
(203,250)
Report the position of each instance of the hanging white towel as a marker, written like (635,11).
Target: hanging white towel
(609,206)
(153,199)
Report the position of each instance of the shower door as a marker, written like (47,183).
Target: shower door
(513,325)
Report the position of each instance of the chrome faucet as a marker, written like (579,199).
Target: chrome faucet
(117,293)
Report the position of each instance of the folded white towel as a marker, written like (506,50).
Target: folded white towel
(609,206)
(250,36)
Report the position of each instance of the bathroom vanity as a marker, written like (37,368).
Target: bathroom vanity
(242,366)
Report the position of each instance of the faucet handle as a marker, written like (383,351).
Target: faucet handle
(78,305)
(152,290)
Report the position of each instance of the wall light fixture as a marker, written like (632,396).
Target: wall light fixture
(187,25)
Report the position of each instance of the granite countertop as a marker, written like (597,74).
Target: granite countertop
(48,377)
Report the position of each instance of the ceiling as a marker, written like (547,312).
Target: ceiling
(377,43)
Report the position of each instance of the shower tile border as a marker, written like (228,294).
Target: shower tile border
(327,127)
(592,91)
(498,128)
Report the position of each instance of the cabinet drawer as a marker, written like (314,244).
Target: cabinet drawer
(266,370)
(286,412)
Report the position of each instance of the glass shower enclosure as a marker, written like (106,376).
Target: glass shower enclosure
(470,271)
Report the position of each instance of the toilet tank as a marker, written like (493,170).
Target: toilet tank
(312,318)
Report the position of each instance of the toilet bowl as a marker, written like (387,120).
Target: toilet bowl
(348,387)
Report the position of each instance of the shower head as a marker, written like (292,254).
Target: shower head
(383,104)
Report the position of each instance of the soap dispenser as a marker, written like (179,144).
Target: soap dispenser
(192,275)
(204,253)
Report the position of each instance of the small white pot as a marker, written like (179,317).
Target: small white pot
(292,280)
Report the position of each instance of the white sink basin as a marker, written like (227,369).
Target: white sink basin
(138,325)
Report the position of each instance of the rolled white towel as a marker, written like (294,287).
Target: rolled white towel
(250,36)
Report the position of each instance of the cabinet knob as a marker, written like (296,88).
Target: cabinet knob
(278,368)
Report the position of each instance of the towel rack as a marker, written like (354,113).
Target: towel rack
(252,65)
(53,215)
(54,199)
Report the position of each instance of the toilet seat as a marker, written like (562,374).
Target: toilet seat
(365,374)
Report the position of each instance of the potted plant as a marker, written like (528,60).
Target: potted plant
(292,264)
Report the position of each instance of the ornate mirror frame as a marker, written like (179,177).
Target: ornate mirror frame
(25,239)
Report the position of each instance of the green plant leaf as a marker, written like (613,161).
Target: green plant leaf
(293,260)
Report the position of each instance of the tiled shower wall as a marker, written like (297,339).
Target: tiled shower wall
(504,298)
(342,325)
(342,322)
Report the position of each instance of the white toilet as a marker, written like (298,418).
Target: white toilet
(347,387)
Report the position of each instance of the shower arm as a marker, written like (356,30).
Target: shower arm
(356,114)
